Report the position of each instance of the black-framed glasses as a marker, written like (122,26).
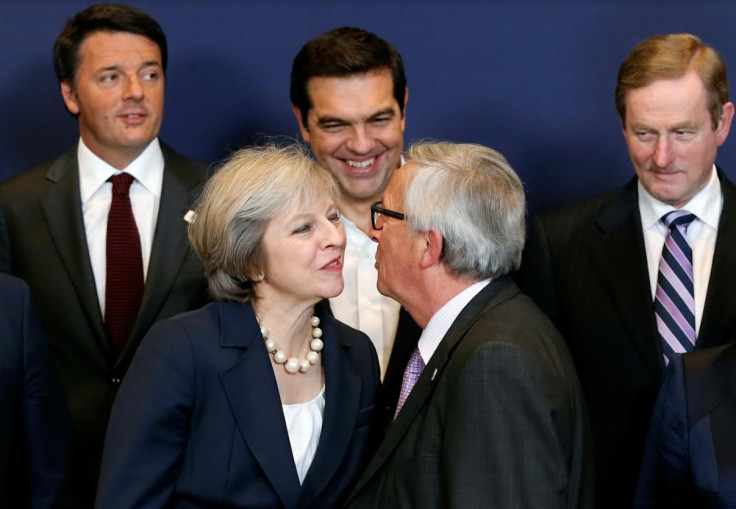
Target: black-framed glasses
(377,211)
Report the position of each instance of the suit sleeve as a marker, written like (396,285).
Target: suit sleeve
(46,421)
(508,434)
(147,433)
(535,275)
(664,479)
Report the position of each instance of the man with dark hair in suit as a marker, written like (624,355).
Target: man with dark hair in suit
(349,94)
(35,429)
(491,413)
(99,234)
(636,275)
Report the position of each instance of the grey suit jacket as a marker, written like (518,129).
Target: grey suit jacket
(585,266)
(496,419)
(42,240)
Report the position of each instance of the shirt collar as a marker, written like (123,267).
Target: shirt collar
(443,319)
(706,205)
(147,169)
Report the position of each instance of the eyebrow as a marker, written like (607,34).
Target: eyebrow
(332,119)
(674,127)
(115,67)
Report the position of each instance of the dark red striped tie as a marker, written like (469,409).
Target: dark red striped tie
(124,283)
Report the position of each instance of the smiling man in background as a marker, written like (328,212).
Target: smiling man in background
(349,94)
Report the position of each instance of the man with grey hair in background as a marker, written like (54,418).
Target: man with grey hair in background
(491,412)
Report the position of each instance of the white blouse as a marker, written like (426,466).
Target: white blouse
(304,424)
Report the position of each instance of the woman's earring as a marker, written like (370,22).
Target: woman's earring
(260,277)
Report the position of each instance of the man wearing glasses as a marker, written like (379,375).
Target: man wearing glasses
(491,412)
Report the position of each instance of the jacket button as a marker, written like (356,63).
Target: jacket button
(115,381)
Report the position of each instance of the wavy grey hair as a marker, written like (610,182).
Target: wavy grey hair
(253,186)
(474,199)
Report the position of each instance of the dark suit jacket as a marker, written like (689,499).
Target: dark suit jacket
(199,423)
(585,266)
(35,428)
(42,240)
(690,454)
(406,339)
(496,418)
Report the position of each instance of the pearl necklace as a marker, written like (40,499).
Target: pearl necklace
(293,365)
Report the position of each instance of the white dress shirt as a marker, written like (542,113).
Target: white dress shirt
(360,305)
(443,319)
(701,235)
(304,424)
(96,194)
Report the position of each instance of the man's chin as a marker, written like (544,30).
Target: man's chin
(384,290)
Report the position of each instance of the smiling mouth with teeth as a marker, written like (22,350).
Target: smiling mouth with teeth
(361,164)
(332,265)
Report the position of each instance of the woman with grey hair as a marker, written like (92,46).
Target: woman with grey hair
(254,400)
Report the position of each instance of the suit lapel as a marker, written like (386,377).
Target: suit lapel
(170,244)
(342,395)
(493,294)
(617,249)
(719,312)
(62,207)
(251,390)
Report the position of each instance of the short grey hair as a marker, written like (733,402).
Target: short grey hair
(253,186)
(470,195)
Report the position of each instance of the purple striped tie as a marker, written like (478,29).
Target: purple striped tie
(124,278)
(674,304)
(411,374)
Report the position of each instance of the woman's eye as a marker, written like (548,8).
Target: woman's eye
(303,228)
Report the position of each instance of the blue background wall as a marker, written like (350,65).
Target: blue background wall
(533,79)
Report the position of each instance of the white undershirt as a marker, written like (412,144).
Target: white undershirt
(701,235)
(443,319)
(96,194)
(304,424)
(360,305)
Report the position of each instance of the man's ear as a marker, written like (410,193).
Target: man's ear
(302,127)
(431,248)
(724,124)
(69,96)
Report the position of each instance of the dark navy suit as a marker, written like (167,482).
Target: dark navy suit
(35,427)
(690,454)
(198,420)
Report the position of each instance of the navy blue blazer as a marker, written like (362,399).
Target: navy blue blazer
(35,427)
(198,420)
(690,454)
